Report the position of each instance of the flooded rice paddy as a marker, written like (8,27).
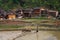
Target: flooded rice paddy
(19,35)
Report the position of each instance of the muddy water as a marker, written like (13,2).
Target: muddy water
(55,33)
(42,35)
(9,35)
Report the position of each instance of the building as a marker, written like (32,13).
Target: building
(27,13)
(19,13)
(36,12)
(43,12)
(11,16)
(52,13)
(1,17)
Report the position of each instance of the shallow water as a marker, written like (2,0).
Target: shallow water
(8,35)
(56,34)
(41,35)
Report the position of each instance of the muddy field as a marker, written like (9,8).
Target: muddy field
(31,35)
(29,24)
(12,22)
(19,35)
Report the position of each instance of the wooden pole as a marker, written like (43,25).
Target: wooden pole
(37,29)
(37,32)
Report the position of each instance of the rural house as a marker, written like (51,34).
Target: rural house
(19,13)
(36,12)
(43,12)
(27,13)
(23,13)
(52,13)
(11,16)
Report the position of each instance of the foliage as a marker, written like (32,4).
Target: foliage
(10,4)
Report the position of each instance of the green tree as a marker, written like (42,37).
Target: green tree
(10,4)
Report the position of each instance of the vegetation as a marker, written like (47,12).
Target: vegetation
(10,4)
(9,26)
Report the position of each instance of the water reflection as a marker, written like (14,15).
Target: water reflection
(41,35)
(56,34)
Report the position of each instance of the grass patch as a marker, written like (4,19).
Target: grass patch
(10,26)
(40,18)
(35,20)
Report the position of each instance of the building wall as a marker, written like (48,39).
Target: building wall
(11,16)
